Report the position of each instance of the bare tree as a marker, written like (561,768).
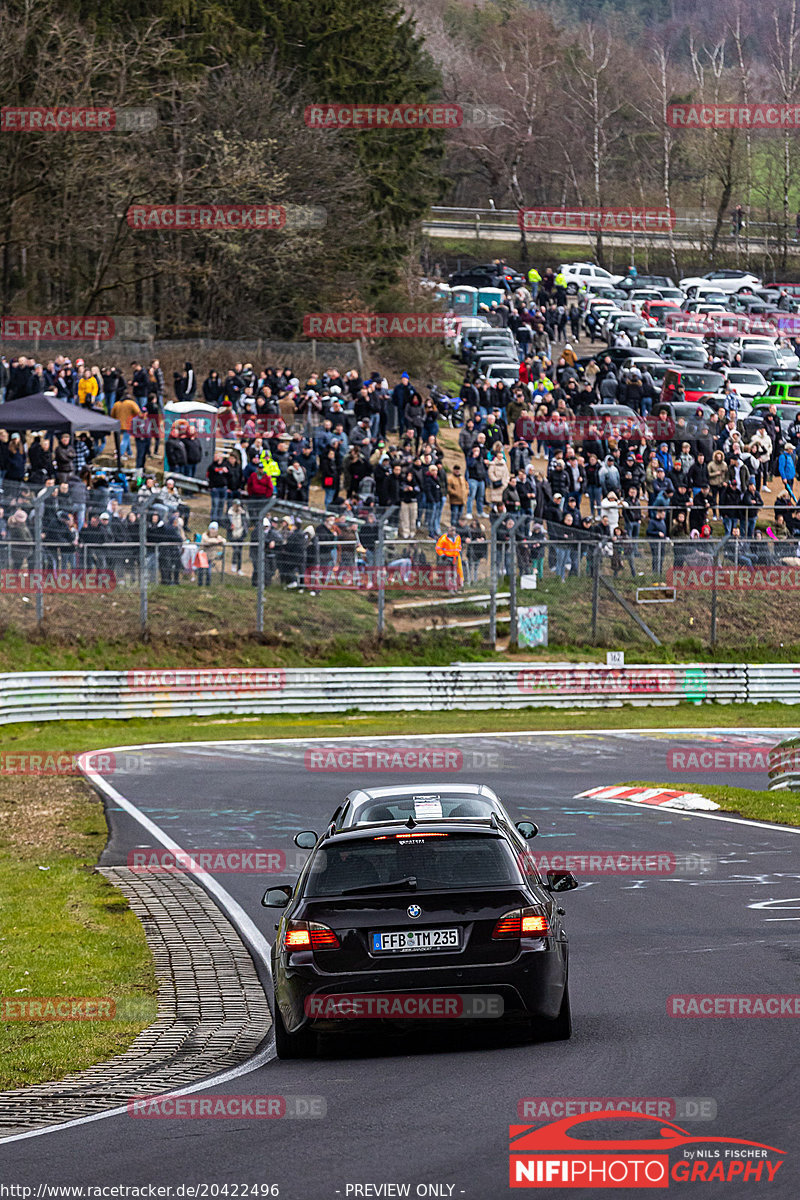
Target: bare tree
(593,85)
(783,53)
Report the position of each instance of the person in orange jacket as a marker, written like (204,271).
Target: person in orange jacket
(449,546)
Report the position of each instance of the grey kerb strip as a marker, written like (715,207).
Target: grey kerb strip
(212,1010)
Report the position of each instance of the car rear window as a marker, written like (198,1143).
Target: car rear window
(444,861)
(400,808)
(701,381)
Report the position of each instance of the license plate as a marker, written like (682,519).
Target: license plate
(407,940)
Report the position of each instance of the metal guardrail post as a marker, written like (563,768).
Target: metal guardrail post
(512,586)
(260,555)
(379,563)
(715,562)
(596,563)
(493,582)
(143,568)
(37,560)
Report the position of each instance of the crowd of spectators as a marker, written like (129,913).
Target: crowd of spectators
(535,453)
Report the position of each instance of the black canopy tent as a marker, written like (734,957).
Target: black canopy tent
(56,416)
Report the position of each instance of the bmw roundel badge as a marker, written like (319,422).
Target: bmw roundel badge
(414,910)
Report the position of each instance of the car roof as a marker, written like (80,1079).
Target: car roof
(420,789)
(599,410)
(448,825)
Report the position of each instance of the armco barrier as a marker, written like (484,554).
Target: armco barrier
(83,695)
(784,766)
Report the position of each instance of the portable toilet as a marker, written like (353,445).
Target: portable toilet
(464,301)
(191,414)
(490,296)
(442,294)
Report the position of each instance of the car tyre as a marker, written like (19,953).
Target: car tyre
(572,289)
(559,1029)
(292,1045)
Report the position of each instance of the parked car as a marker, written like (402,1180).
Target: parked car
(651,337)
(630,282)
(639,296)
(717,400)
(579,273)
(786,414)
(462,327)
(487,275)
(747,383)
(508,372)
(685,352)
(749,303)
(695,384)
(626,321)
(726,280)
(766,358)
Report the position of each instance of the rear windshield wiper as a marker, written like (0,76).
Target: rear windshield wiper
(410,882)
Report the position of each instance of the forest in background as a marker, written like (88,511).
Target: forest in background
(582,91)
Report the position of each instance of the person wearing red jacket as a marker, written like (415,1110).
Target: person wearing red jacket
(259,484)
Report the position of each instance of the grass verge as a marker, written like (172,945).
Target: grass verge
(76,736)
(64,931)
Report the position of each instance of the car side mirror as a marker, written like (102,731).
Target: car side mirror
(277,897)
(306,840)
(527,829)
(561,881)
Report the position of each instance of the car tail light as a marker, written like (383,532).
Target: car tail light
(307,935)
(297,936)
(521,922)
(323,938)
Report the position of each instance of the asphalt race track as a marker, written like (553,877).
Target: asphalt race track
(435,1110)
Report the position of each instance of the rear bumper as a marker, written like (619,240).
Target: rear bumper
(533,985)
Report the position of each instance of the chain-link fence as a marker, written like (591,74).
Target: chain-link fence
(307,579)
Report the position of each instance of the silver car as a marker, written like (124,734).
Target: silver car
(422,802)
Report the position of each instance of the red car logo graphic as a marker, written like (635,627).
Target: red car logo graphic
(551,1156)
(525,1138)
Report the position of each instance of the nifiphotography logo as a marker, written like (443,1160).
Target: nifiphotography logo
(574,1153)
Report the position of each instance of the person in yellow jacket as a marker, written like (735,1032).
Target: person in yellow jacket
(269,465)
(561,282)
(449,546)
(534,279)
(87,388)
